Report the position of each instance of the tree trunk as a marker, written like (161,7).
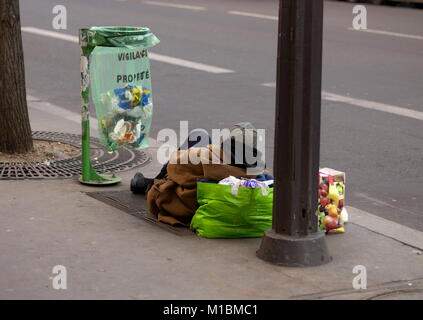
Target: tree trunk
(15,129)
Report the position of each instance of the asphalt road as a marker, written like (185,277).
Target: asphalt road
(381,151)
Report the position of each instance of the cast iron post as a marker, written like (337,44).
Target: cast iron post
(294,239)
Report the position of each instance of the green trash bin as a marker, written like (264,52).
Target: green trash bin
(116,78)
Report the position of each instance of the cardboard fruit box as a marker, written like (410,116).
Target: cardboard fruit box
(331,207)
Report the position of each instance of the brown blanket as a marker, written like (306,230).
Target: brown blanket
(173,200)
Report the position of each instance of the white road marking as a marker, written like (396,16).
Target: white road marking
(253,15)
(174,5)
(389,33)
(188,64)
(51,34)
(374,31)
(372,105)
(269,84)
(153,56)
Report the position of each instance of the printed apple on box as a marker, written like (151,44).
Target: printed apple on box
(331,211)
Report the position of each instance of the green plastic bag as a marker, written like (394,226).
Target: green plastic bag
(121,85)
(222,214)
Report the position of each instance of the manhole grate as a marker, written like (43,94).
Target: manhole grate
(136,205)
(120,160)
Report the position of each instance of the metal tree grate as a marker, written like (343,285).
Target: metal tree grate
(120,160)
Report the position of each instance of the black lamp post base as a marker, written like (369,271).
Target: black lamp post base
(306,251)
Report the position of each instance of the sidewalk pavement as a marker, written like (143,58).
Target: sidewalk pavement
(109,254)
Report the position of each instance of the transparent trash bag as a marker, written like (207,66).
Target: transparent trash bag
(120,81)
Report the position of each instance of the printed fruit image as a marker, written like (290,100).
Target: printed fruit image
(321,219)
(330,223)
(333,212)
(333,192)
(324,202)
(340,188)
(337,230)
(324,186)
(323,193)
(327,208)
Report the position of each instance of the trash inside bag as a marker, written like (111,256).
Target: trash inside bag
(250,183)
(120,81)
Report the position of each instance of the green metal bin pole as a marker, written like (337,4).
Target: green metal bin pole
(89,175)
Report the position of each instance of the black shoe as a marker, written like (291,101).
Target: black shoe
(140,184)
